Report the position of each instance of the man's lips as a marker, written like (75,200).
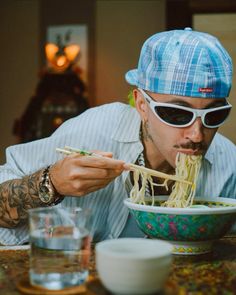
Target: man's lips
(191,152)
(191,148)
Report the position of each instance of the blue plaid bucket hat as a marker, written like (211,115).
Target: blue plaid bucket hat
(183,62)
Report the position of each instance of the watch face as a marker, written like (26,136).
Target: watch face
(44,194)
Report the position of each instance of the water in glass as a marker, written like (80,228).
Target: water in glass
(59,257)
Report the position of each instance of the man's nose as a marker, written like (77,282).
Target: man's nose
(195,131)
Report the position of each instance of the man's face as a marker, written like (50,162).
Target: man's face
(166,141)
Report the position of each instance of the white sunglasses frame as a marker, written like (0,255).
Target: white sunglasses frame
(196,112)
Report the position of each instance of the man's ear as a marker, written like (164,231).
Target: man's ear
(140,104)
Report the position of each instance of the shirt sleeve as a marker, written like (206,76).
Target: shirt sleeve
(100,128)
(14,236)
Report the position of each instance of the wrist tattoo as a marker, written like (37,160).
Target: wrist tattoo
(16,197)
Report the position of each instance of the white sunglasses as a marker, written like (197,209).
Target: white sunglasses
(181,116)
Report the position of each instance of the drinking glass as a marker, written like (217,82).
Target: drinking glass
(60,242)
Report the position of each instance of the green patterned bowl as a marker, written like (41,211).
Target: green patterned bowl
(191,230)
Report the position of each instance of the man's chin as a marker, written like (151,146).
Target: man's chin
(171,162)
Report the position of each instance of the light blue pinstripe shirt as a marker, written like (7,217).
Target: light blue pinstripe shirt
(113,127)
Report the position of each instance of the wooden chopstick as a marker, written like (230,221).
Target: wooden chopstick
(63,151)
(81,152)
(70,150)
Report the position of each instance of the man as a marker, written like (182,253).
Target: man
(182,82)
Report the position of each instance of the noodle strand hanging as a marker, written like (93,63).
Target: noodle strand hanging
(182,195)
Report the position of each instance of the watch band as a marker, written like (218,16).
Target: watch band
(47,192)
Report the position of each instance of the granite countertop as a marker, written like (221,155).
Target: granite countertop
(200,274)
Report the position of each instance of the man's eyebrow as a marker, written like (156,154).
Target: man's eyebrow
(213,104)
(179,102)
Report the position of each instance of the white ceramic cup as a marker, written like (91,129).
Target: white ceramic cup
(133,265)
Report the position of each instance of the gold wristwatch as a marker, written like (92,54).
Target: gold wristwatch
(47,192)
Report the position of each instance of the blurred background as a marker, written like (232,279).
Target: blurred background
(38,91)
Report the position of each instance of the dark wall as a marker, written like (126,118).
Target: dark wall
(61,12)
(179,13)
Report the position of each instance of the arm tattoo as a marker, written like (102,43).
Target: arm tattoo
(16,197)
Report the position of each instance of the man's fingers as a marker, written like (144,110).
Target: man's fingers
(104,154)
(99,162)
(94,173)
(88,186)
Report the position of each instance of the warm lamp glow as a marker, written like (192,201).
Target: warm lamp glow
(51,50)
(61,61)
(61,58)
(72,51)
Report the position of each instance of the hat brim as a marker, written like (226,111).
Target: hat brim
(132,77)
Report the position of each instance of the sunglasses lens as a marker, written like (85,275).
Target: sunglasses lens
(215,118)
(174,116)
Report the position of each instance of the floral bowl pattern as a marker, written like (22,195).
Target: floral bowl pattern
(190,230)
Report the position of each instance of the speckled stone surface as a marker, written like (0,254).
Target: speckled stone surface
(213,273)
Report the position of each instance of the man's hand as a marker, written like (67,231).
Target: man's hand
(78,175)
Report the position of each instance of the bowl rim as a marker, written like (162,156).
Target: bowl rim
(112,248)
(186,211)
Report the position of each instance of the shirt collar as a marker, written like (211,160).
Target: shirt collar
(209,156)
(128,127)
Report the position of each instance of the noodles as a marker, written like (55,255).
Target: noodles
(138,194)
(182,195)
